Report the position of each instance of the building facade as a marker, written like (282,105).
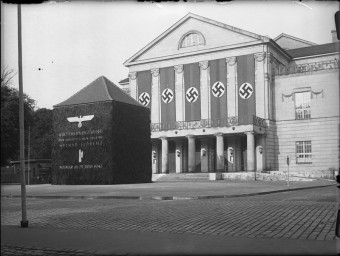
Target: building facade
(223,99)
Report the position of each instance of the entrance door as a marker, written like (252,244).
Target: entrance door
(172,157)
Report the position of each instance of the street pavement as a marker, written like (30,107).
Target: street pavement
(281,223)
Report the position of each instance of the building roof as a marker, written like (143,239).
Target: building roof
(283,35)
(124,81)
(182,21)
(100,90)
(314,50)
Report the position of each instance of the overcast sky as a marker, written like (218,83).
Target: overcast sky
(68,45)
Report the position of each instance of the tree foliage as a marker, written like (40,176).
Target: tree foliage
(10,133)
(42,134)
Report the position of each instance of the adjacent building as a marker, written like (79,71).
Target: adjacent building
(223,99)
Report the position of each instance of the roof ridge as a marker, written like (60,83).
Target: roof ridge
(294,37)
(182,20)
(105,86)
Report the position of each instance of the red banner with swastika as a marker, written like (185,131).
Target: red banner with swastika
(218,90)
(192,92)
(246,88)
(167,95)
(144,81)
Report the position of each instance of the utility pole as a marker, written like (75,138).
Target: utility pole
(24,221)
(288,169)
(28,154)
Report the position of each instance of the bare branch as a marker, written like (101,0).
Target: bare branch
(7,76)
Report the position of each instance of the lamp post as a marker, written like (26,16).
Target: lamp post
(24,221)
(288,170)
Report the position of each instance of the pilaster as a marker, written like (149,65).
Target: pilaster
(232,96)
(133,84)
(155,106)
(179,91)
(205,103)
(260,99)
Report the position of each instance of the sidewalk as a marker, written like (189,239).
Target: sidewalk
(108,242)
(162,190)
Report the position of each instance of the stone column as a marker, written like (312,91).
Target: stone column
(232,91)
(191,153)
(260,152)
(219,152)
(165,154)
(155,109)
(250,151)
(154,157)
(180,95)
(204,155)
(261,101)
(133,84)
(205,102)
(179,156)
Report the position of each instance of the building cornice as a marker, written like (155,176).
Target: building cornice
(194,53)
(132,59)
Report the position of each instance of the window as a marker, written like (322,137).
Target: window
(302,105)
(192,38)
(303,152)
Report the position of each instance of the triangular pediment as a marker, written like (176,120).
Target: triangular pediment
(215,35)
(289,42)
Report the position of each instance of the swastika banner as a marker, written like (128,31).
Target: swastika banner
(144,81)
(218,89)
(167,94)
(246,88)
(192,92)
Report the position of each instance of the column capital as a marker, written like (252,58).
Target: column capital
(270,57)
(190,136)
(133,75)
(266,76)
(163,138)
(260,56)
(218,134)
(249,133)
(178,69)
(231,61)
(204,64)
(155,72)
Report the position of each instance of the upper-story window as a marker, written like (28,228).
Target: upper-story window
(191,38)
(302,105)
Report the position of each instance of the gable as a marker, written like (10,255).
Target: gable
(288,42)
(215,35)
(100,90)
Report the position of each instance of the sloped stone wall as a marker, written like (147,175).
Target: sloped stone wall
(131,144)
(82,155)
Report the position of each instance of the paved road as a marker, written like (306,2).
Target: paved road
(306,215)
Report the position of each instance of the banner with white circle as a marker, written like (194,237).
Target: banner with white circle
(144,98)
(192,94)
(218,89)
(167,95)
(246,90)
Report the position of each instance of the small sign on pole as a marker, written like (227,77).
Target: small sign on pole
(288,170)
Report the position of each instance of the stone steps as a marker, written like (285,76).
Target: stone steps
(181,177)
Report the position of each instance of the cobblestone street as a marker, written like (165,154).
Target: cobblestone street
(306,214)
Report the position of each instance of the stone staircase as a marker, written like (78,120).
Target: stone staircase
(181,177)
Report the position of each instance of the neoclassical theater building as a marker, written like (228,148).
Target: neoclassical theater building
(223,99)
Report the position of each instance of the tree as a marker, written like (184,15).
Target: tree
(42,134)
(10,133)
